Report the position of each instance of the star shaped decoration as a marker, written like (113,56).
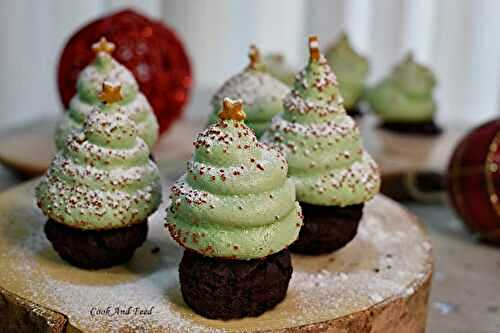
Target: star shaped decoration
(103,46)
(110,93)
(232,110)
(314,48)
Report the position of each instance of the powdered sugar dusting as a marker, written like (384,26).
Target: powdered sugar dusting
(389,257)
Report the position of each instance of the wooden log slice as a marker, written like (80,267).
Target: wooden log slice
(378,283)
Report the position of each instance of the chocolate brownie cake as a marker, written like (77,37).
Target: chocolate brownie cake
(219,288)
(93,249)
(234,211)
(100,188)
(333,175)
(327,228)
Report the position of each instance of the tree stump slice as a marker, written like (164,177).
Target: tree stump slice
(378,283)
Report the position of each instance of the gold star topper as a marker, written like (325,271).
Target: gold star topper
(110,93)
(314,48)
(232,110)
(254,56)
(103,46)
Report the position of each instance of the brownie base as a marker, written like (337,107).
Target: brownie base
(225,289)
(326,228)
(92,249)
(428,128)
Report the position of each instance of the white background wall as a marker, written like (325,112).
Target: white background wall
(459,39)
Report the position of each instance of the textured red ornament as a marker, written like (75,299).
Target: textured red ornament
(148,48)
(474,180)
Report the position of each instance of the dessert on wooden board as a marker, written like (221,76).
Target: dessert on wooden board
(404,100)
(262,94)
(234,212)
(133,103)
(333,174)
(100,188)
(381,280)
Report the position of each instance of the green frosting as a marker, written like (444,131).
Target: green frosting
(261,93)
(134,104)
(102,178)
(235,200)
(350,68)
(322,144)
(276,66)
(406,95)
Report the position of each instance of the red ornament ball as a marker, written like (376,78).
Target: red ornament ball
(148,48)
(474,180)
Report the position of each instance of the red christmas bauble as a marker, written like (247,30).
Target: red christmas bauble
(148,48)
(474,180)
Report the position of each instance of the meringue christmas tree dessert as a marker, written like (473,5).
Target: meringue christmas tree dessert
(133,102)
(261,93)
(351,70)
(234,212)
(100,188)
(332,173)
(404,100)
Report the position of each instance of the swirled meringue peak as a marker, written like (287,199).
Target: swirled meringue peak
(235,200)
(322,144)
(406,94)
(351,69)
(134,104)
(103,177)
(261,93)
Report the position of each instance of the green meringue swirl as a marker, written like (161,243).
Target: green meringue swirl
(103,177)
(350,68)
(405,95)
(235,200)
(261,93)
(134,104)
(322,144)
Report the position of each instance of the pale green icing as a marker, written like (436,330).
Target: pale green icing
(134,104)
(406,94)
(261,93)
(235,200)
(276,65)
(102,178)
(322,144)
(350,68)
